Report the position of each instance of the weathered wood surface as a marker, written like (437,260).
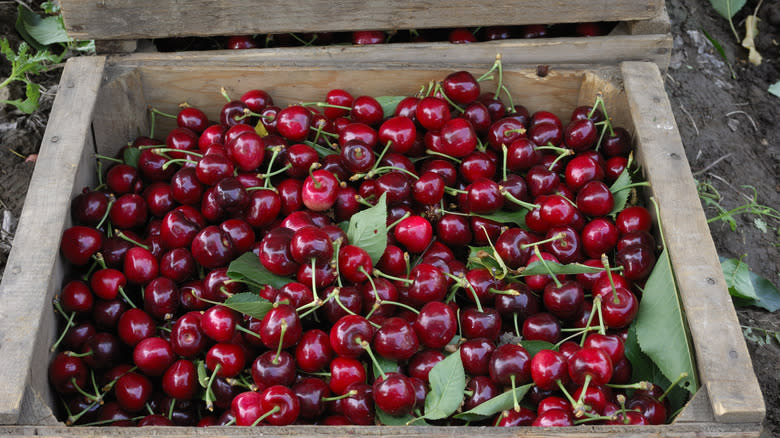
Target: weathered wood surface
(34,271)
(723,361)
(131,19)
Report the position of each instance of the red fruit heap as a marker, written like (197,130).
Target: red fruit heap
(352,261)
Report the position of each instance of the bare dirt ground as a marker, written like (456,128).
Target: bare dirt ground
(729,126)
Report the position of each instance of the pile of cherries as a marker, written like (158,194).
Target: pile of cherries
(159,330)
(459,35)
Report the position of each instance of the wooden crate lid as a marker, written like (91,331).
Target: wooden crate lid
(136,19)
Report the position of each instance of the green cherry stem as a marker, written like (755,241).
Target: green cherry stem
(505,193)
(273,410)
(112,159)
(505,152)
(209,396)
(546,266)
(378,273)
(108,210)
(366,346)
(439,154)
(283,323)
(347,394)
(605,263)
(672,385)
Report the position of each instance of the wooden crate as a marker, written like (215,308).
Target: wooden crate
(643,33)
(102,103)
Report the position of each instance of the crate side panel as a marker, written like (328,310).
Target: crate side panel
(723,361)
(129,19)
(121,113)
(34,271)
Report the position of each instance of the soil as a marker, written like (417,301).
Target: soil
(729,126)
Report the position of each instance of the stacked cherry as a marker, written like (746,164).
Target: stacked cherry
(458,35)
(352,330)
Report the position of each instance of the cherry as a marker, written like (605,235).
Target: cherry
(105,283)
(428,284)
(134,326)
(542,327)
(180,380)
(313,352)
(319,190)
(88,208)
(650,408)
(510,364)
(246,407)
(554,418)
(80,243)
(337,98)
(595,199)
(187,337)
(435,325)
(480,324)
(482,389)
(580,170)
(310,392)
(541,181)
(612,344)
(396,340)
(394,394)
(120,179)
(564,301)
(458,136)
(357,157)
(548,367)
(225,360)
(132,391)
(637,261)
(479,116)
(293,123)
(599,236)
(432,113)
(140,266)
(76,297)
(106,313)
(617,145)
(271,368)
(151,166)
(461,36)
(212,168)
(344,372)
(512,417)
(421,364)
(161,298)
(366,37)
(461,87)
(212,247)
(633,218)
(247,150)
(591,363)
(580,135)
(595,397)
(281,328)
(619,308)
(354,262)
(505,131)
(396,186)
(359,405)
(66,373)
(475,355)
(153,356)
(358,131)
(414,232)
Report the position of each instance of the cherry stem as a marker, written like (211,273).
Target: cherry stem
(319,130)
(124,236)
(103,157)
(209,397)
(632,185)
(366,346)
(510,292)
(552,239)
(605,262)
(275,172)
(347,394)
(68,325)
(225,94)
(402,305)
(565,392)
(380,157)
(241,328)
(283,323)
(578,332)
(161,151)
(438,88)
(108,210)
(170,408)
(80,390)
(126,298)
(643,385)
(390,227)
(110,420)
(408,264)
(597,309)
(249,113)
(453,191)
(273,410)
(462,282)
(559,158)
(514,393)
(170,162)
(498,65)
(505,152)
(515,200)
(432,152)
(326,105)
(379,273)
(517,324)
(546,266)
(672,385)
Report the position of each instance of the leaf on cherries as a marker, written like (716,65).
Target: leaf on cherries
(504,217)
(322,151)
(389,103)
(538,268)
(499,403)
(130,156)
(367,229)
(482,257)
(534,346)
(620,190)
(248,269)
(406,420)
(203,376)
(249,304)
(448,381)
(386,366)
(660,326)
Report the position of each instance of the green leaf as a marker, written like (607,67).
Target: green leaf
(534,347)
(727,8)
(448,381)
(660,326)
(482,257)
(131,155)
(368,229)
(322,151)
(748,288)
(249,304)
(389,420)
(775,89)
(44,31)
(504,217)
(30,103)
(537,268)
(389,104)
(203,375)
(387,365)
(619,194)
(737,275)
(248,269)
(495,405)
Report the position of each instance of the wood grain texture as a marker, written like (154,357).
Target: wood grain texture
(121,113)
(130,19)
(723,361)
(35,270)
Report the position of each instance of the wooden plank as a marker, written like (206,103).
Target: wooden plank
(121,115)
(108,47)
(130,19)
(723,360)
(676,431)
(553,51)
(697,409)
(35,270)
(660,24)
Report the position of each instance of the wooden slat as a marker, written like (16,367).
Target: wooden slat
(723,360)
(121,113)
(129,19)
(35,270)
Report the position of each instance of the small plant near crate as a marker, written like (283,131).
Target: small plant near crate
(495,263)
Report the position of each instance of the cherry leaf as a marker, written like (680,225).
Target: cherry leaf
(504,217)
(660,326)
(130,156)
(249,304)
(386,366)
(748,288)
(534,347)
(248,269)
(537,268)
(367,229)
(499,403)
(619,191)
(389,104)
(448,381)
(406,420)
